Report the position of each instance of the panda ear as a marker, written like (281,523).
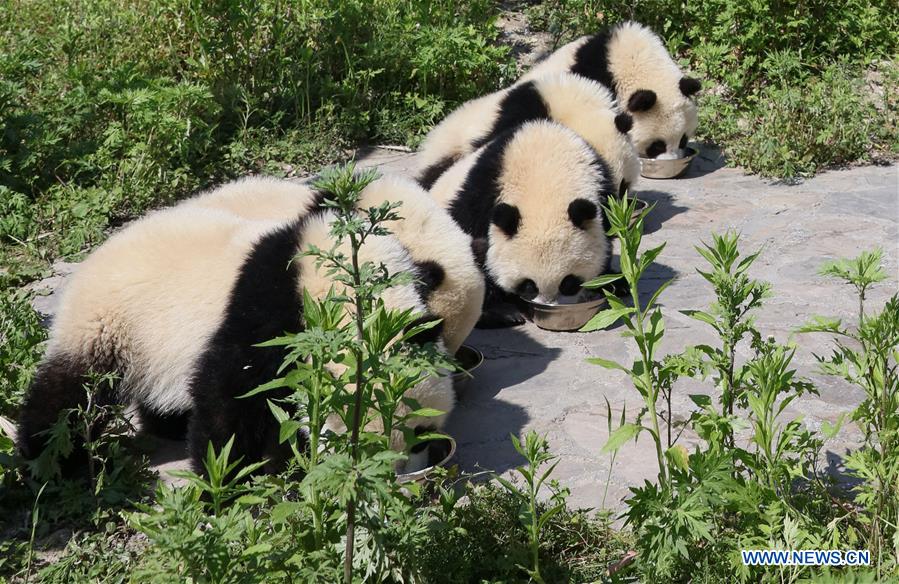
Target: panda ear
(507,218)
(430,276)
(580,211)
(641,100)
(429,335)
(624,122)
(689,86)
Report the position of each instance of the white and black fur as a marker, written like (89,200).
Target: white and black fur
(633,63)
(441,250)
(531,200)
(174,304)
(574,101)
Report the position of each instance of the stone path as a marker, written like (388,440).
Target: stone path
(534,379)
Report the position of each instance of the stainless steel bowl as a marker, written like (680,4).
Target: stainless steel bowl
(563,317)
(655,168)
(638,208)
(470,359)
(448,450)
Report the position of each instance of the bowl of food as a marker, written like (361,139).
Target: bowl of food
(667,168)
(563,317)
(469,359)
(571,316)
(439,453)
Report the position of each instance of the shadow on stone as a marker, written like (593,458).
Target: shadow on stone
(664,209)
(481,423)
(654,278)
(836,470)
(709,159)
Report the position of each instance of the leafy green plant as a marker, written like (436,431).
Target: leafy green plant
(753,480)
(866,356)
(536,451)
(21,339)
(738,295)
(643,323)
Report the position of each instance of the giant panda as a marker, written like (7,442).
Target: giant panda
(174,304)
(259,198)
(531,199)
(632,61)
(441,250)
(582,104)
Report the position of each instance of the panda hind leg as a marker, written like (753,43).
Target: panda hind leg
(61,383)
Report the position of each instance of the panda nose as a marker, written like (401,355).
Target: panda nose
(655,149)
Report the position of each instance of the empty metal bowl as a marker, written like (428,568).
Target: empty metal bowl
(470,359)
(439,454)
(655,168)
(563,317)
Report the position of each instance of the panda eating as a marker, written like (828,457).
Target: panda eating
(174,305)
(532,201)
(633,63)
(579,103)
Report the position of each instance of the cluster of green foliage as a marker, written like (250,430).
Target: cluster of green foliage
(754,479)
(788,87)
(21,342)
(109,108)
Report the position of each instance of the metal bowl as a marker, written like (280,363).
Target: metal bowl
(655,168)
(440,451)
(470,359)
(563,317)
(638,208)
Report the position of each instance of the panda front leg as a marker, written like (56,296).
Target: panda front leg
(218,418)
(500,310)
(225,374)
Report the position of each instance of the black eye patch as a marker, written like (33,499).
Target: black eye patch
(527,289)
(570,285)
(656,148)
(580,211)
(507,218)
(624,122)
(641,100)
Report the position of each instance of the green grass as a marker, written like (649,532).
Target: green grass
(787,86)
(109,108)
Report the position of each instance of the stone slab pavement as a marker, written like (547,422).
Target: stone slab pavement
(535,379)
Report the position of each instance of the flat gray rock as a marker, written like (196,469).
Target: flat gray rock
(534,379)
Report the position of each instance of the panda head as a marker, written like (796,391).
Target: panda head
(663,121)
(546,235)
(434,391)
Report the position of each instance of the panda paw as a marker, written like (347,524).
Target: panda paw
(500,316)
